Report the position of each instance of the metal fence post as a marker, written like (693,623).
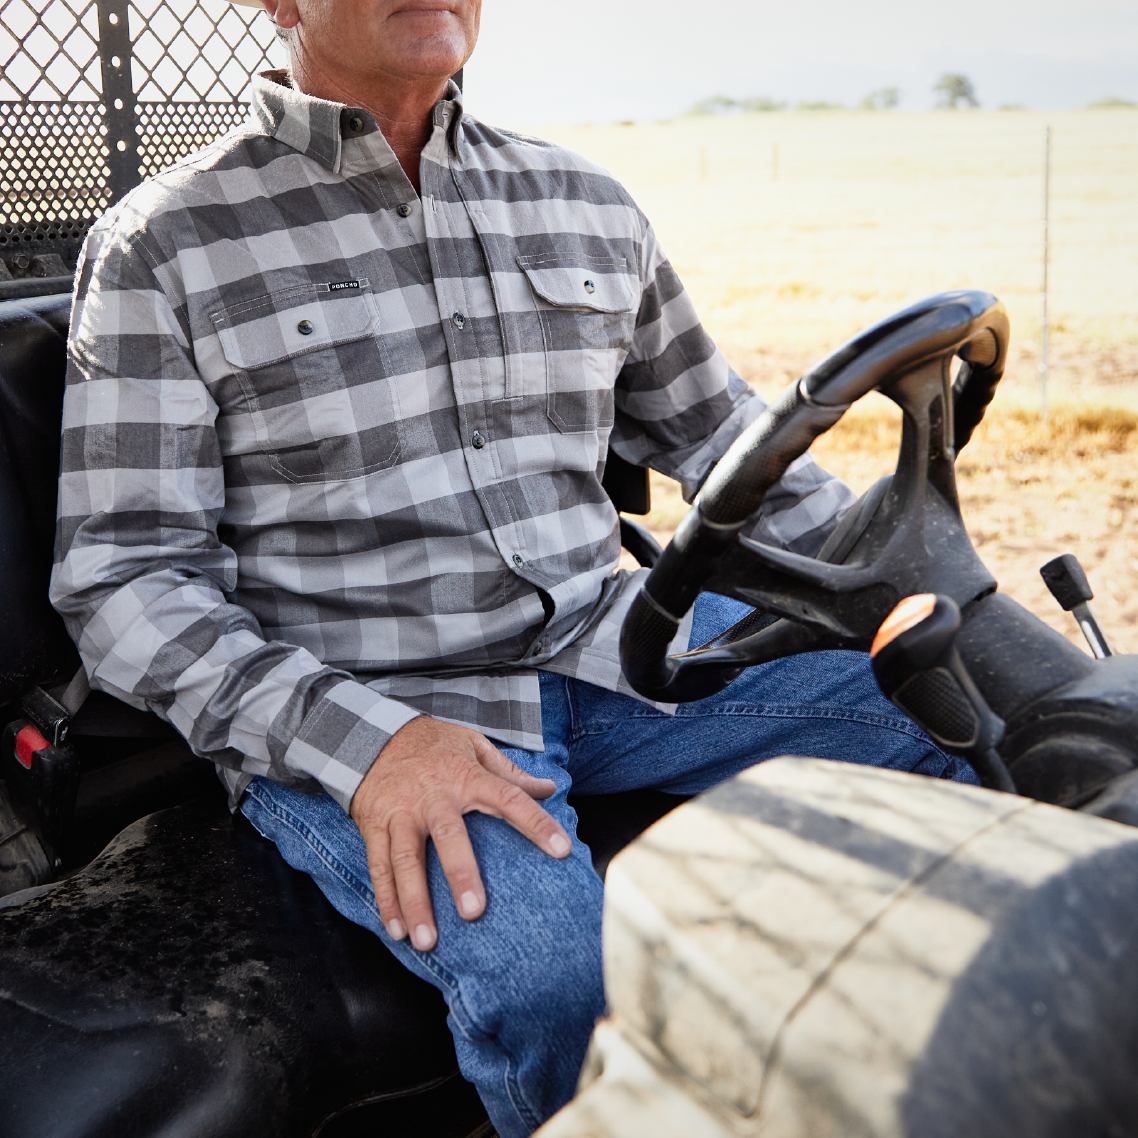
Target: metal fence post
(1045,319)
(118,97)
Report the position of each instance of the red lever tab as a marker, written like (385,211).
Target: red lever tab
(28,741)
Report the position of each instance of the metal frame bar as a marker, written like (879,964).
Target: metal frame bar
(80,137)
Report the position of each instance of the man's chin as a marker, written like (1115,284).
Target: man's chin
(431,57)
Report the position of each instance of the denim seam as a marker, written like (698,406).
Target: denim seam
(513,1091)
(773,712)
(299,827)
(302,829)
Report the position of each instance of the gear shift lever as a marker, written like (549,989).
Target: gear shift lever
(919,670)
(1069,586)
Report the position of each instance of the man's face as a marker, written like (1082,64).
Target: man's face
(402,39)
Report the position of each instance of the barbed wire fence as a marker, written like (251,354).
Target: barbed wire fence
(96,95)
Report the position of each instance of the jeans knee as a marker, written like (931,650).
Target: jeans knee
(540,937)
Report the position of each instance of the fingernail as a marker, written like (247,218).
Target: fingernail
(559,845)
(396,930)
(423,937)
(468,903)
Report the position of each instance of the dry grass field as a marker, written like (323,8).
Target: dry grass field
(793,231)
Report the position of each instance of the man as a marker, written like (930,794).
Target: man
(341,389)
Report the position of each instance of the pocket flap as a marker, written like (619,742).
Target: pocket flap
(294,321)
(572,280)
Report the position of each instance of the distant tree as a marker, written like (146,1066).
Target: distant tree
(716,105)
(819,105)
(883,99)
(763,103)
(955,89)
(1111,101)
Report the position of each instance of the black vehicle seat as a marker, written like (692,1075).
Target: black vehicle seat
(188,982)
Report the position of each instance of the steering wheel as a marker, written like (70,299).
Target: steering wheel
(904,536)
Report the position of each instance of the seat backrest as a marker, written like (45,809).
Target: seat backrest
(33,361)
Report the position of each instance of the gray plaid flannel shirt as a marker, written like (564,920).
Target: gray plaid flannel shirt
(332,450)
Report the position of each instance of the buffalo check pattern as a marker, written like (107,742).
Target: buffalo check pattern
(332,448)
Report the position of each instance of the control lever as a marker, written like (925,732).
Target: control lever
(1069,586)
(919,670)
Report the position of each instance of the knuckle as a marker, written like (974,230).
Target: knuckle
(447,829)
(513,797)
(386,896)
(388,905)
(405,859)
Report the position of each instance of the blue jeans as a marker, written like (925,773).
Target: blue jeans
(523,982)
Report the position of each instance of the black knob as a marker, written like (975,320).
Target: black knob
(1068,583)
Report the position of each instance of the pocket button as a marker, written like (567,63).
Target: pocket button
(590,287)
(306,327)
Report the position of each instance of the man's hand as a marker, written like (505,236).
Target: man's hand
(426,778)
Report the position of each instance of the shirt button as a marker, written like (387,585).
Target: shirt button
(356,123)
(519,561)
(403,210)
(306,328)
(458,320)
(477,441)
(590,287)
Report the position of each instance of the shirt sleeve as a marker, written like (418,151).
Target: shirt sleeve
(141,578)
(680,406)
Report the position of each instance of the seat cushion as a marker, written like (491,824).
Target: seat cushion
(189,982)
(33,362)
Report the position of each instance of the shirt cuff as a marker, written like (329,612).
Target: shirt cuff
(342,736)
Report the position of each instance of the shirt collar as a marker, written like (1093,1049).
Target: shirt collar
(317,127)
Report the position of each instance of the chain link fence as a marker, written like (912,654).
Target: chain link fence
(96,95)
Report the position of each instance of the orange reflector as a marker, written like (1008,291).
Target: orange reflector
(911,611)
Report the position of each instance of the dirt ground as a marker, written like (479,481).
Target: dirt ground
(1029,490)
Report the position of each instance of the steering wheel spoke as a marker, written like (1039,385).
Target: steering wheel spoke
(809,570)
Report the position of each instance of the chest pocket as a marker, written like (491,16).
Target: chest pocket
(587,314)
(313,370)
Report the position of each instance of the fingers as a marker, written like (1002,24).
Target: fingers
(456,855)
(408,865)
(428,776)
(383,882)
(491,795)
(497,763)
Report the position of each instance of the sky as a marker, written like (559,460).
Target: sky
(546,61)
